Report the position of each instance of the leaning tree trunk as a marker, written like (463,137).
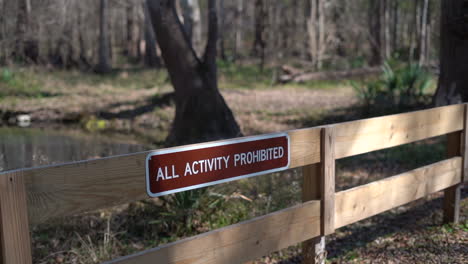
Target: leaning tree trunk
(201,112)
(453,79)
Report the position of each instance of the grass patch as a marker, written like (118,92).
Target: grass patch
(21,84)
(235,76)
(138,78)
(244,76)
(320,84)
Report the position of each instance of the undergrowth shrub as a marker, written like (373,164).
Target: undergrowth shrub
(398,85)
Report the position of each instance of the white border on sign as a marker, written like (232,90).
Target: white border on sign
(209,145)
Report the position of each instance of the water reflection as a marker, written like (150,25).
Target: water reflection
(30,147)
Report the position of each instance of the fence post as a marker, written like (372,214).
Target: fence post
(456,146)
(14,224)
(319,183)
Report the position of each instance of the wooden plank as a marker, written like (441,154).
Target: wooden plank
(67,189)
(372,134)
(451,205)
(15,237)
(367,200)
(456,145)
(238,243)
(305,146)
(464,146)
(328,180)
(313,250)
(319,183)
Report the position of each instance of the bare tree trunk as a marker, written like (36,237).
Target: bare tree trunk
(386,12)
(201,112)
(103,64)
(140,37)
(414,31)
(222,35)
(273,36)
(375,32)
(453,79)
(151,57)
(321,33)
(131,49)
(83,58)
(26,45)
(3,40)
(316,32)
(261,15)
(239,27)
(428,33)
(396,18)
(422,37)
(312,30)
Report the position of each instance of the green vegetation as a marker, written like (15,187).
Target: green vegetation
(134,78)
(38,83)
(400,84)
(244,76)
(20,84)
(249,77)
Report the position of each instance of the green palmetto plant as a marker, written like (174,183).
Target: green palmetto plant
(399,84)
(181,208)
(405,84)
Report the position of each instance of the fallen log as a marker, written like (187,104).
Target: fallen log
(291,74)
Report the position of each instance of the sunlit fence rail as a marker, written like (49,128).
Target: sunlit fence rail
(32,196)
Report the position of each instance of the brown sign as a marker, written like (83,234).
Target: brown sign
(192,167)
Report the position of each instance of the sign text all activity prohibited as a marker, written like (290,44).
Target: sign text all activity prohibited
(191,167)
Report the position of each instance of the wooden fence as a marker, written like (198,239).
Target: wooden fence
(32,196)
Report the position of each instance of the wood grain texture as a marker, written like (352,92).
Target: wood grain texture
(311,182)
(365,201)
(313,250)
(451,205)
(15,237)
(357,137)
(305,146)
(238,243)
(328,180)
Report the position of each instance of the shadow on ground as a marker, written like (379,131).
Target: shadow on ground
(149,105)
(416,217)
(353,112)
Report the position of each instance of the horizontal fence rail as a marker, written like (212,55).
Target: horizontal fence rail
(36,195)
(367,200)
(240,242)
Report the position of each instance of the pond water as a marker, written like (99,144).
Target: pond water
(31,147)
